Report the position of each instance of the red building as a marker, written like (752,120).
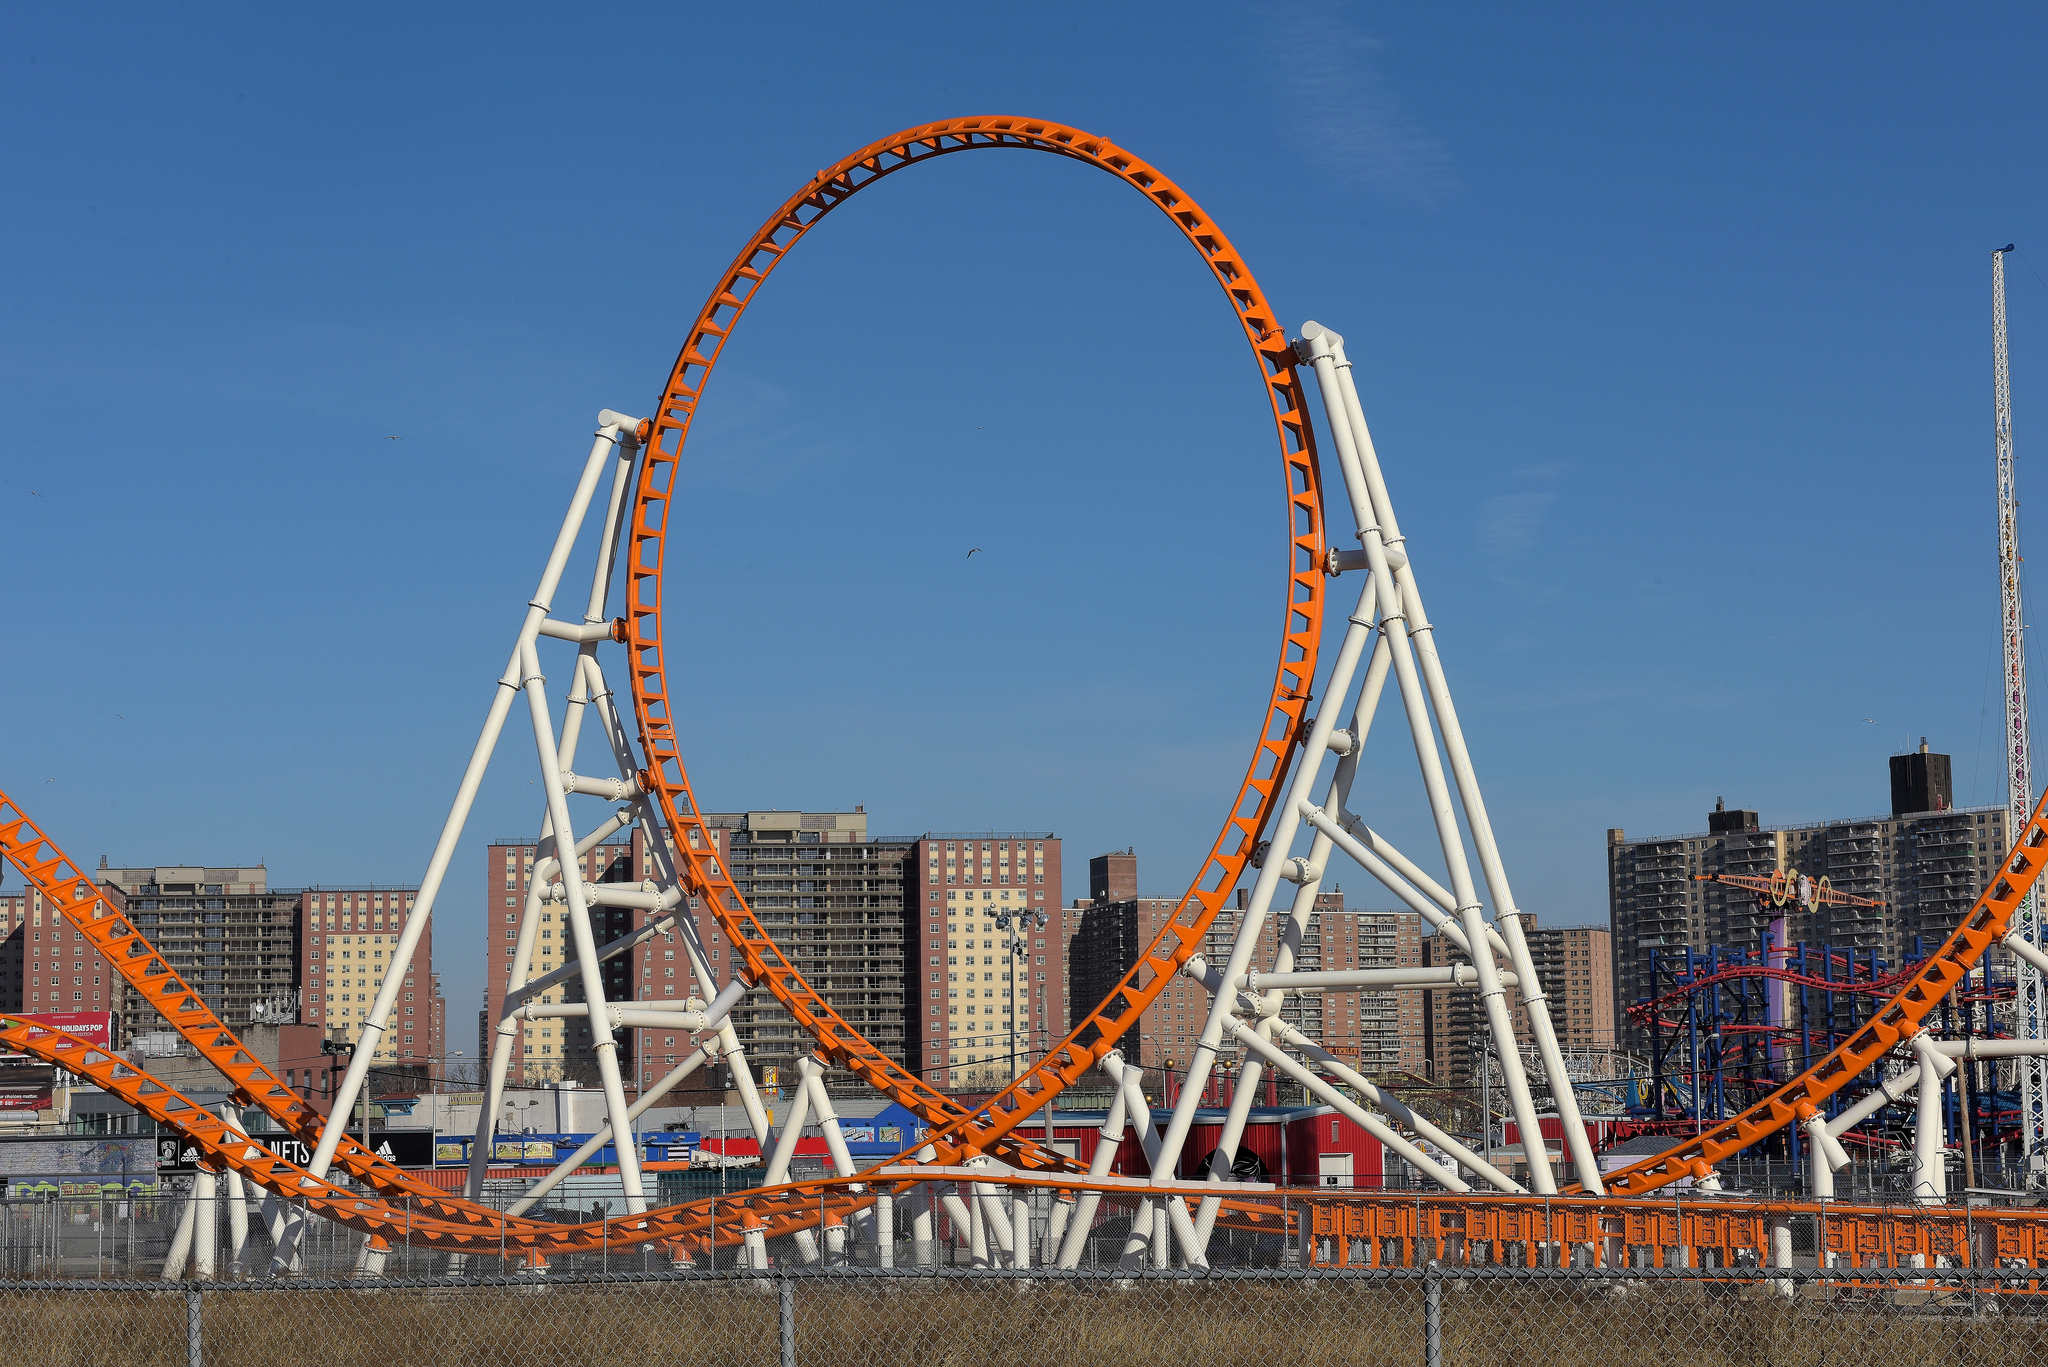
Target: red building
(47,966)
(1301,1146)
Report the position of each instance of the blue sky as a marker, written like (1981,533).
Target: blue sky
(1673,328)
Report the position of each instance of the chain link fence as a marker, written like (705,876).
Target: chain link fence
(132,1238)
(1436,1317)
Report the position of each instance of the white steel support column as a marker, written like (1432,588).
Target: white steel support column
(1930,1155)
(603,1045)
(1082,1222)
(1175,1224)
(237,1200)
(613,436)
(278,1219)
(1020,1229)
(1324,352)
(885,1229)
(1286,824)
(507,1034)
(777,1172)
(1506,913)
(238,1223)
(1288,942)
(205,1224)
(922,1254)
(812,1070)
(1824,1154)
(180,1251)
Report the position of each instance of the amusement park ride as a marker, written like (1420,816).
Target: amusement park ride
(974,1174)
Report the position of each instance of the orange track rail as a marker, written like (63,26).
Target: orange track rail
(79,901)
(1895,1023)
(431,1217)
(956,1132)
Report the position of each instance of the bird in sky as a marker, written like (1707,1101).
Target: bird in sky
(970,554)
(1871,720)
(119,717)
(33,494)
(394,438)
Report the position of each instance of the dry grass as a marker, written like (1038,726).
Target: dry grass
(993,1323)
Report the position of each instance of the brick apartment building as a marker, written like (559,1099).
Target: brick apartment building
(14,950)
(985,988)
(1575,966)
(1926,862)
(831,896)
(221,929)
(46,966)
(225,931)
(348,942)
(1379,1031)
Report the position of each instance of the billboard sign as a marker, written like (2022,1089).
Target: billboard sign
(96,1027)
(176,1154)
(406,1148)
(27,1086)
(110,1185)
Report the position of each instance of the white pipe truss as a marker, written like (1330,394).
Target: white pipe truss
(1466,900)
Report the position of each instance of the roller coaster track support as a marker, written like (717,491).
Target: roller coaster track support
(1288,818)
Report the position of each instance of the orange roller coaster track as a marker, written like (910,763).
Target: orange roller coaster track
(404,1207)
(955,1132)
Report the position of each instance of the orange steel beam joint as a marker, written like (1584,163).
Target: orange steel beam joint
(430,1217)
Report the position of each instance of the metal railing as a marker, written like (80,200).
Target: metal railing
(1441,1317)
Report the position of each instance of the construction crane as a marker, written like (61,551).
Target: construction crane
(2033,1071)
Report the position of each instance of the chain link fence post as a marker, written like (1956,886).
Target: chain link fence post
(1432,1315)
(193,1353)
(788,1316)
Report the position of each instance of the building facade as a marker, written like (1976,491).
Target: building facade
(1103,941)
(348,946)
(548,1050)
(1376,1031)
(47,966)
(833,898)
(225,931)
(1575,966)
(831,895)
(1927,868)
(14,951)
(985,972)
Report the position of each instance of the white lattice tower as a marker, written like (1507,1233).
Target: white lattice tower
(2033,1070)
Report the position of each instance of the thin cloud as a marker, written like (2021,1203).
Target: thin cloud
(1341,107)
(1508,524)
